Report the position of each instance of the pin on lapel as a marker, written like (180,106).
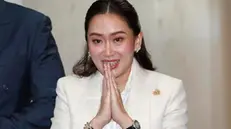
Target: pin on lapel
(156,92)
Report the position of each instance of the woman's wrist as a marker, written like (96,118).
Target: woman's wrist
(95,123)
(126,121)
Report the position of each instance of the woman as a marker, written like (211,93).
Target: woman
(115,85)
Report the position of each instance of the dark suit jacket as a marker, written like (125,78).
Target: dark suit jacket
(29,68)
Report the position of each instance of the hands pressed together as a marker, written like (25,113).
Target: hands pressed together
(111,107)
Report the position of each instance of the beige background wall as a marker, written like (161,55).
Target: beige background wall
(226,34)
(187,39)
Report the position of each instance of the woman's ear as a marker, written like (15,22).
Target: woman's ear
(138,42)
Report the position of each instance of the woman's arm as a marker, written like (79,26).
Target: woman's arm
(61,119)
(175,116)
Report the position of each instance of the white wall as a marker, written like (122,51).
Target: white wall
(184,39)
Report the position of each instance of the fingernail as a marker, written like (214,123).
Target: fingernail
(104,66)
(108,66)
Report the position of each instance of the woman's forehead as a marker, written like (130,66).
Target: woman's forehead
(108,24)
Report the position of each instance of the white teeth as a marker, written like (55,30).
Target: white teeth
(114,63)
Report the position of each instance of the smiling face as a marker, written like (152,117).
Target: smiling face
(110,40)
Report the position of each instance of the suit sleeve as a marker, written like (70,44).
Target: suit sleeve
(175,116)
(45,69)
(61,119)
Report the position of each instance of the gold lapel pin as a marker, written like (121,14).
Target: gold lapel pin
(156,92)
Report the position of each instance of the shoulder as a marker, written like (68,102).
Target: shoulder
(73,83)
(72,80)
(164,78)
(160,77)
(23,14)
(163,82)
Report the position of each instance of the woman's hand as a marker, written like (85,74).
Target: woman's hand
(103,116)
(111,106)
(118,112)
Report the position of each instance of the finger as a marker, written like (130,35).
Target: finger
(107,77)
(104,87)
(113,83)
(109,92)
(106,70)
(110,75)
(110,81)
(114,95)
(106,93)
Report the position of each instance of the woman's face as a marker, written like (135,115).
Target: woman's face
(110,40)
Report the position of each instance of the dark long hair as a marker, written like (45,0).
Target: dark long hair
(85,67)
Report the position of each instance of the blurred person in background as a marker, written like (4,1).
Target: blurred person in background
(30,66)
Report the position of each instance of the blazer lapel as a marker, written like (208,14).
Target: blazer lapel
(139,102)
(93,97)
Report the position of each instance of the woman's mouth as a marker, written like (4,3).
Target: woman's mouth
(113,63)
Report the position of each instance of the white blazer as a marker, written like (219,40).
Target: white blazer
(78,100)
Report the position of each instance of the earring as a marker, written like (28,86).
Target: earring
(137,50)
(89,55)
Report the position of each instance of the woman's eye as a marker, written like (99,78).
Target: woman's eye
(96,41)
(118,39)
